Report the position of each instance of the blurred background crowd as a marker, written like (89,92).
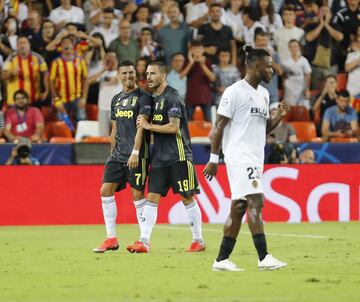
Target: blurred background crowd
(59,58)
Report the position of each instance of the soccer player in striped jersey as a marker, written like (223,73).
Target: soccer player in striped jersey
(23,70)
(129,158)
(171,160)
(67,78)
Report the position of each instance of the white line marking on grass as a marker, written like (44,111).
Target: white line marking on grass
(216,299)
(244,232)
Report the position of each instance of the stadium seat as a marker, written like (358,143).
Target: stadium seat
(341,81)
(92,112)
(344,140)
(298,114)
(199,128)
(198,114)
(86,128)
(58,128)
(305,131)
(96,139)
(62,140)
(49,114)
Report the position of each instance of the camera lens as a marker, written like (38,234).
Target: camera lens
(23,151)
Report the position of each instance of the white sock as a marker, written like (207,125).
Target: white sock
(147,221)
(139,207)
(110,213)
(195,220)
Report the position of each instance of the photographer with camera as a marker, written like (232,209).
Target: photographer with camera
(23,120)
(21,154)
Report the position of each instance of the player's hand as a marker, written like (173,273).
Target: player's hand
(210,170)
(133,161)
(142,123)
(284,108)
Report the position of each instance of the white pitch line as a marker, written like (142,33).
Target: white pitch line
(245,232)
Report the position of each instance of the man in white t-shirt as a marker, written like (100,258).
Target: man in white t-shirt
(352,66)
(242,123)
(66,13)
(108,29)
(283,35)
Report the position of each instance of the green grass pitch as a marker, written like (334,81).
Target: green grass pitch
(56,264)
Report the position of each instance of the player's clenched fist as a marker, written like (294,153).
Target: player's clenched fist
(284,108)
(143,123)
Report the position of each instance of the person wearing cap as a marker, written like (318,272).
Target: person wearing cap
(21,154)
(284,132)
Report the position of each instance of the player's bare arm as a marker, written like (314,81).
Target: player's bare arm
(133,161)
(284,108)
(170,128)
(211,167)
(112,136)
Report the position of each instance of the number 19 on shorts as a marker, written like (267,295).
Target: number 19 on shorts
(183,185)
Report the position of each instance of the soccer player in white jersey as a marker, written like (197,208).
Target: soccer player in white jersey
(242,123)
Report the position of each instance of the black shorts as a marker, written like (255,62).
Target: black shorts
(119,173)
(181,177)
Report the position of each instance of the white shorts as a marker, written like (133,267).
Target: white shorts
(244,180)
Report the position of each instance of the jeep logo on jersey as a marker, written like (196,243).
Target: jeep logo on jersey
(125,102)
(124,113)
(133,101)
(258,111)
(158,117)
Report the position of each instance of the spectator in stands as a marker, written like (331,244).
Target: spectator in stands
(24,70)
(21,154)
(140,67)
(288,32)
(297,72)
(196,13)
(5,46)
(347,21)
(108,29)
(148,47)
(199,78)
(125,47)
(340,121)
(109,86)
(96,16)
(142,16)
(250,25)
(67,76)
(66,13)
(271,20)
(160,18)
(307,156)
(174,37)
(216,35)
(33,32)
(283,132)
(23,120)
(174,76)
(352,66)
(321,44)
(11,30)
(327,97)
(226,74)
(233,17)
(262,41)
(47,36)
(13,8)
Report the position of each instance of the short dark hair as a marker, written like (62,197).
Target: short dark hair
(344,93)
(22,92)
(126,63)
(289,7)
(108,10)
(71,24)
(254,54)
(176,54)
(147,29)
(196,43)
(250,12)
(330,76)
(260,32)
(160,65)
(69,37)
(215,5)
(22,36)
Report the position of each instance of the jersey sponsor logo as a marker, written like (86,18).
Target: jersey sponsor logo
(256,111)
(124,113)
(133,101)
(158,117)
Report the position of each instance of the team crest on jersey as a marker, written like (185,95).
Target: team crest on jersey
(254,184)
(133,101)
(162,104)
(125,102)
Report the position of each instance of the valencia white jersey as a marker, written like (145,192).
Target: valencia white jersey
(245,135)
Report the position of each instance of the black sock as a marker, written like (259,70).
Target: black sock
(260,244)
(226,248)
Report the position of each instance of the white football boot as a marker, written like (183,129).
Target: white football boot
(226,265)
(270,263)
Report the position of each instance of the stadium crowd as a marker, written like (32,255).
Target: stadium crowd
(59,58)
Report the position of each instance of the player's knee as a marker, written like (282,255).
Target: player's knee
(240,207)
(187,200)
(136,194)
(256,201)
(106,191)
